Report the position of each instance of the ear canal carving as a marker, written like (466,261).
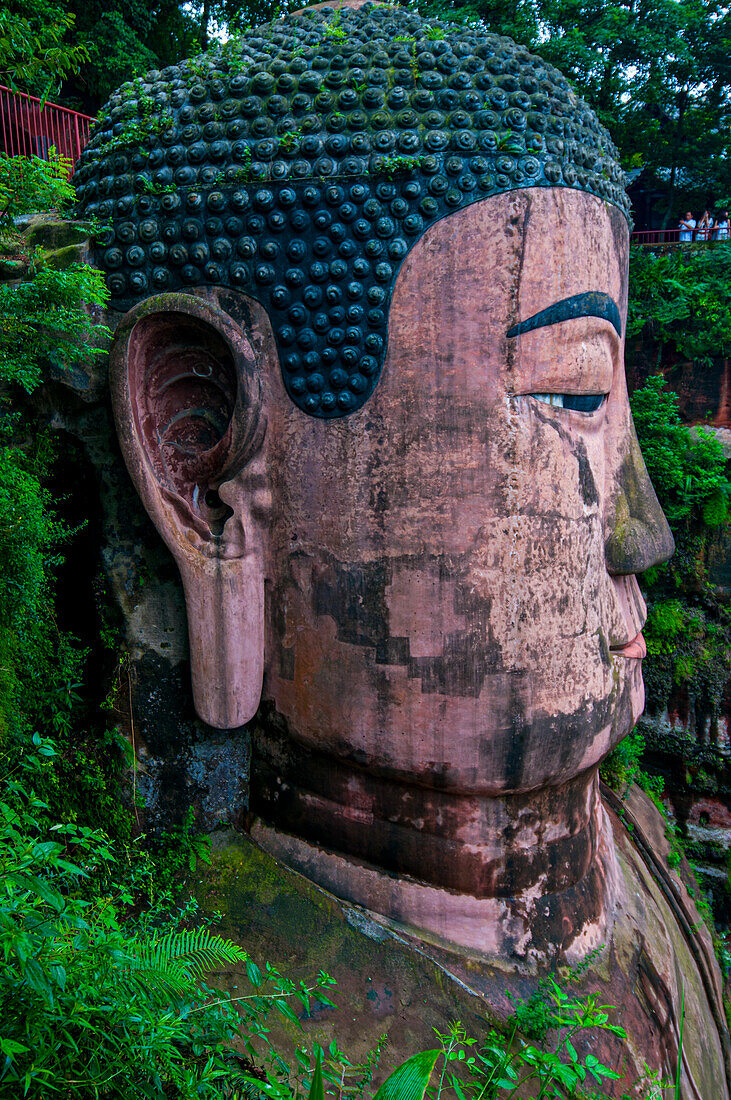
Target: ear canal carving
(184,400)
(186,393)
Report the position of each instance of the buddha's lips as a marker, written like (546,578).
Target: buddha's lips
(636,648)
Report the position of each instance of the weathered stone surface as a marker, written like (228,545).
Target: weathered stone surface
(394,984)
(413,555)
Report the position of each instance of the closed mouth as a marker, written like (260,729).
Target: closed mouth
(636,648)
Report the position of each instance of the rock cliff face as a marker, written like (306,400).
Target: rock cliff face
(704,389)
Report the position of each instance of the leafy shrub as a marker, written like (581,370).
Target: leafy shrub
(687,468)
(95,1003)
(688,629)
(622,767)
(29,184)
(46,321)
(682,299)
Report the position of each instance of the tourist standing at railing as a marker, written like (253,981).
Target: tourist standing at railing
(686,227)
(705,225)
(721,232)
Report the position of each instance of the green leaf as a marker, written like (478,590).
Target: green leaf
(10,1047)
(42,889)
(409,1081)
(317,1089)
(253,973)
(287,1011)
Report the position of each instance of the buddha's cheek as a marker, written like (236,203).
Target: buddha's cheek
(539,569)
(539,580)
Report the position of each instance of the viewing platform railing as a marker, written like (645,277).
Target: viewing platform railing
(29,127)
(669,237)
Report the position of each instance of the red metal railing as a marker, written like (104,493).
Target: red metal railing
(673,236)
(29,128)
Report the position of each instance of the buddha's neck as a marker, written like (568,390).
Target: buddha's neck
(509,874)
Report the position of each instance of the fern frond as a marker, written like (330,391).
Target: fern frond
(178,960)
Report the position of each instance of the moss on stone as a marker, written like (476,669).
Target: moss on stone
(61,258)
(53,234)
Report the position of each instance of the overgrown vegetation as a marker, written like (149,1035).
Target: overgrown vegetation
(681,300)
(688,630)
(35,52)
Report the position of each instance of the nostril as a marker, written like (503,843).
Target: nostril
(215,511)
(213,500)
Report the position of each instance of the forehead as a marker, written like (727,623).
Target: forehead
(434,450)
(482,270)
(523,249)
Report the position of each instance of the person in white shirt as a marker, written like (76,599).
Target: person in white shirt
(705,227)
(686,227)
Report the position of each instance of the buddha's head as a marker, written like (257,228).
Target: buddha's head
(370,387)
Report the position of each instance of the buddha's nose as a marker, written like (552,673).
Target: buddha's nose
(638,535)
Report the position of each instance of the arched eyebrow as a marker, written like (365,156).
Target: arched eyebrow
(593,303)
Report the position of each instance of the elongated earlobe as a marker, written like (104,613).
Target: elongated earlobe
(186,393)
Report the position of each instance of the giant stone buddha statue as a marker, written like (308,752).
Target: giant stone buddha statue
(369,384)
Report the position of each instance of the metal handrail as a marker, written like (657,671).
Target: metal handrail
(29,127)
(656,237)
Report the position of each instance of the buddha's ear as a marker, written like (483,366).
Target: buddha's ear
(186,391)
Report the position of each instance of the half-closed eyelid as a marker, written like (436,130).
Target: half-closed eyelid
(575,402)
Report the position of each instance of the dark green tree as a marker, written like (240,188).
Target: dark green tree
(125,38)
(36,52)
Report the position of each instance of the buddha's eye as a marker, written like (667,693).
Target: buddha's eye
(577,402)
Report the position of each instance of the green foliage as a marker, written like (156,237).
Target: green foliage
(682,299)
(45,318)
(499,1064)
(504,1064)
(95,1004)
(135,135)
(178,851)
(688,629)
(410,1080)
(116,52)
(45,322)
(126,38)
(398,165)
(29,184)
(622,767)
(34,51)
(687,467)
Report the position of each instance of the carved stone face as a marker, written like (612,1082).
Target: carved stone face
(454,563)
(449,644)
